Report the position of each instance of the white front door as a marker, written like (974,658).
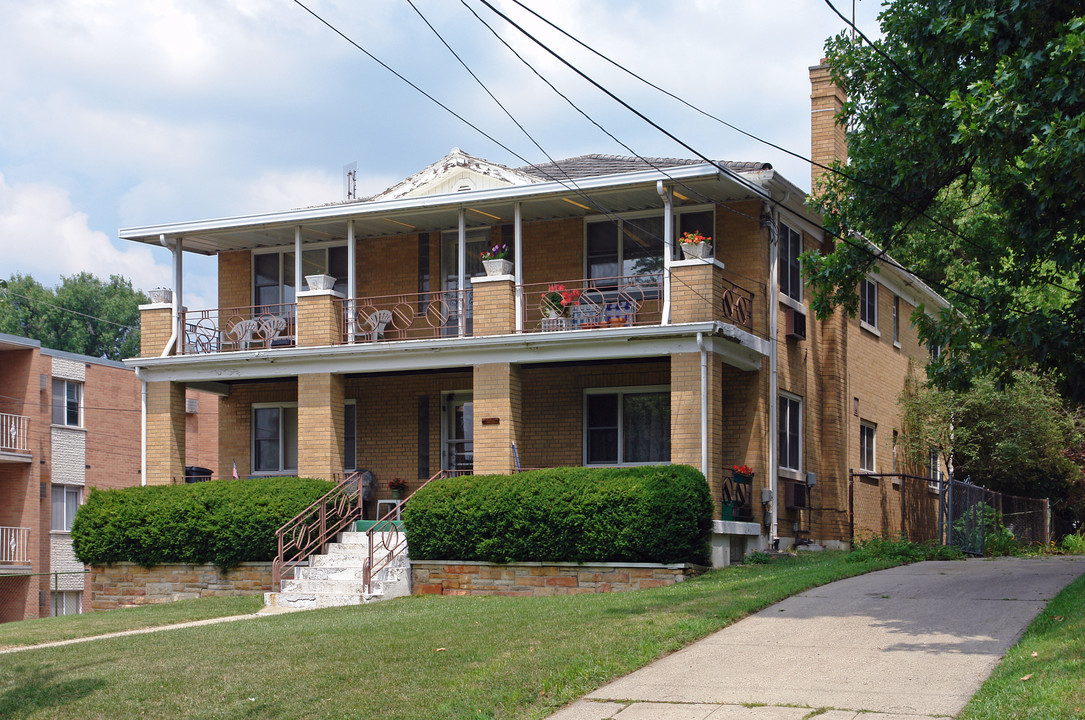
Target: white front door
(457,433)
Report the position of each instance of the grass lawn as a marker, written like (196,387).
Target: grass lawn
(1051,654)
(418,657)
(34,632)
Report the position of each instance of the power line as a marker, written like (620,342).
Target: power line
(61,307)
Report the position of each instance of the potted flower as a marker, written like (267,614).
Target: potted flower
(742,474)
(495,260)
(557,300)
(695,245)
(397,487)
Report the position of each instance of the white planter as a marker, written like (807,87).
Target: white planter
(497,267)
(161,295)
(696,250)
(320,282)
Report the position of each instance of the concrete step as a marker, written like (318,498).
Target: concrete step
(314,601)
(324,587)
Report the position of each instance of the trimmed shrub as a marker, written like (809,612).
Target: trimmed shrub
(658,513)
(224,522)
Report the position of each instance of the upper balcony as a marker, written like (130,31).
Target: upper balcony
(14,438)
(493,306)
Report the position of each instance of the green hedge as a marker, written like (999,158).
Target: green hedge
(658,513)
(224,522)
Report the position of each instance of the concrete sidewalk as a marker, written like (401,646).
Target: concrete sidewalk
(909,643)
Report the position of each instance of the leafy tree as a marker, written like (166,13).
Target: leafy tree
(82,315)
(966,133)
(1021,439)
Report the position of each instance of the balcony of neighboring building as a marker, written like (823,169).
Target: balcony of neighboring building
(14,438)
(14,550)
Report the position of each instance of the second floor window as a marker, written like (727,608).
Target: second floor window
(789,270)
(790,433)
(67,402)
(625,247)
(273,280)
(868,303)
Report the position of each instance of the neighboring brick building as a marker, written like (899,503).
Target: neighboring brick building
(653,358)
(68,423)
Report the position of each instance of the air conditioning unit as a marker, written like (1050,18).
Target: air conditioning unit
(796,496)
(795,324)
(192,405)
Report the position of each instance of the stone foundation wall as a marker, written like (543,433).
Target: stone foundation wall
(535,579)
(127,584)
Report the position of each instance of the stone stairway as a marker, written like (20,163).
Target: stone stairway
(335,578)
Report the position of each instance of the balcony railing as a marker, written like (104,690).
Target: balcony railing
(593,303)
(14,545)
(737,304)
(14,433)
(255,327)
(408,316)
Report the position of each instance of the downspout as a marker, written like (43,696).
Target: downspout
(518,265)
(704,404)
(668,250)
(142,427)
(175,314)
(774,389)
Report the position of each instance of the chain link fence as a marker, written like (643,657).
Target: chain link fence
(24,596)
(944,510)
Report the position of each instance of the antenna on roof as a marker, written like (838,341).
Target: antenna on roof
(350,181)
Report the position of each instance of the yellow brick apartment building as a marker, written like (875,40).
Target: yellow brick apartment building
(366,334)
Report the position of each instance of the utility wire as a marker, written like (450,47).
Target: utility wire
(61,307)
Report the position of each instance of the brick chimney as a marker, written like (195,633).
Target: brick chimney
(828,140)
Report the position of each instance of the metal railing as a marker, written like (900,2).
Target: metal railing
(312,528)
(737,304)
(14,546)
(386,539)
(254,327)
(407,316)
(735,498)
(593,303)
(14,433)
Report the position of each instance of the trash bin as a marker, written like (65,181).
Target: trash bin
(195,473)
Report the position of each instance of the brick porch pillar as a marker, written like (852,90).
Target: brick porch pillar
(497,423)
(493,306)
(155,328)
(320,425)
(686,418)
(319,318)
(165,432)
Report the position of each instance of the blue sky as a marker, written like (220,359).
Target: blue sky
(118,114)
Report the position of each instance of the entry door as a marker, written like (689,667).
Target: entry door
(457,433)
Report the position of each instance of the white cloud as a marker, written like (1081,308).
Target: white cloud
(41,234)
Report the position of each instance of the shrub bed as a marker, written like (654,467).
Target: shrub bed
(659,513)
(224,522)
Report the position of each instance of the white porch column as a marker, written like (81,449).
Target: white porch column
(351,281)
(461,260)
(518,266)
(298,279)
(668,247)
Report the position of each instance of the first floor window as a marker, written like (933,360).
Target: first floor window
(67,402)
(868,303)
(790,433)
(66,602)
(627,426)
(275,438)
(867,432)
(65,501)
(350,436)
(932,464)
